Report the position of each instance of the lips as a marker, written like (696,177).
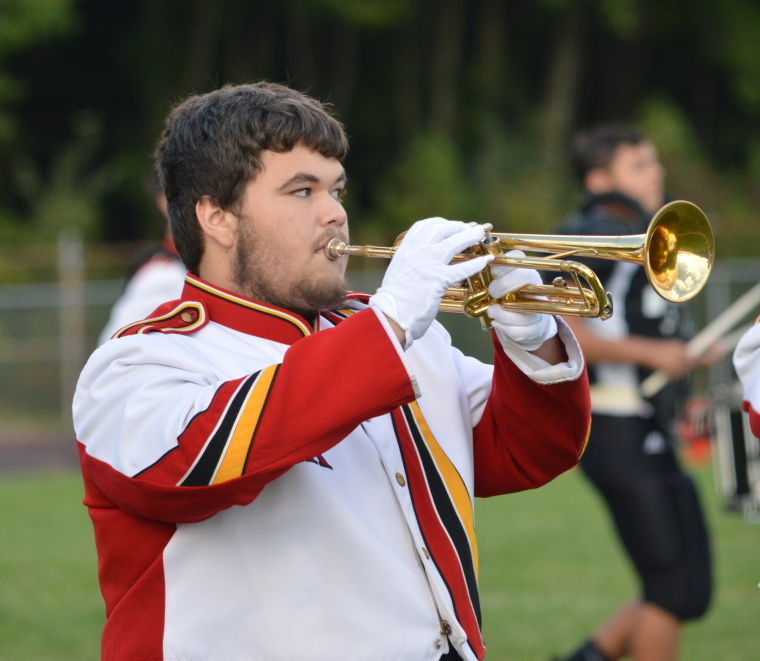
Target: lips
(322,243)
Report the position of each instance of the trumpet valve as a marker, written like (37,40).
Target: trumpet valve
(490,243)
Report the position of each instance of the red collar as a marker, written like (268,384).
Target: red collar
(246,315)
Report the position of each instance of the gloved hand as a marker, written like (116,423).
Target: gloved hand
(525,330)
(420,273)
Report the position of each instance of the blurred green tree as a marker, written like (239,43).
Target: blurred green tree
(69,197)
(485,94)
(24,24)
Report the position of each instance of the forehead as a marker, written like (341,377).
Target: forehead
(281,166)
(626,155)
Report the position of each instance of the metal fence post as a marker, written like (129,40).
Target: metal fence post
(71,316)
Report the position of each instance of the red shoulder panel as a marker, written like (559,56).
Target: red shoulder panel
(171,317)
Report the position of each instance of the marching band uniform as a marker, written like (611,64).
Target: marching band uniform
(747,365)
(229,449)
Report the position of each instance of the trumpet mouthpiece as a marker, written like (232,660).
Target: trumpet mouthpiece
(335,248)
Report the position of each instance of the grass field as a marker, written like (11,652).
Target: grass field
(550,571)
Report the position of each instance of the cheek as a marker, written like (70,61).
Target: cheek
(283,236)
(292,230)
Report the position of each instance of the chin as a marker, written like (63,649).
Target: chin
(324,295)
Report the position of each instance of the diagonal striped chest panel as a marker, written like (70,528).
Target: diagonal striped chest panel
(444,513)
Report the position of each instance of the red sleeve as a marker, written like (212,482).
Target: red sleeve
(754,418)
(529,432)
(259,426)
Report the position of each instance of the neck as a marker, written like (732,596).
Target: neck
(219,277)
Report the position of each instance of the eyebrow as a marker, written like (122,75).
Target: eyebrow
(308,178)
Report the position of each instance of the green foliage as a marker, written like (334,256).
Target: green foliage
(623,16)
(392,68)
(725,195)
(515,191)
(428,180)
(753,169)
(70,196)
(24,24)
(366,13)
(739,34)
(501,182)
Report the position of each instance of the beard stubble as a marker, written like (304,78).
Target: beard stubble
(255,271)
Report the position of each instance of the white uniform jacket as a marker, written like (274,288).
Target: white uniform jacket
(747,364)
(261,490)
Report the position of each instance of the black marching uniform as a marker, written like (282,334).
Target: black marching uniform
(630,457)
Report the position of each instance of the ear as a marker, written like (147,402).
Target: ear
(218,226)
(598,180)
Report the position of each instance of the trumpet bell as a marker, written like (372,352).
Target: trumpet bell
(679,251)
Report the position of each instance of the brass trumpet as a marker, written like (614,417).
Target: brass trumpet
(677,252)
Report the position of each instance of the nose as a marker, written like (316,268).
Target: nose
(333,212)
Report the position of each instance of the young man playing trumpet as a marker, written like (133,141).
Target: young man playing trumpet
(279,469)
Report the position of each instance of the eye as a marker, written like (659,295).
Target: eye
(339,194)
(302,192)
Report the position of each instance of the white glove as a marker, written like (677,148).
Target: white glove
(525,330)
(420,273)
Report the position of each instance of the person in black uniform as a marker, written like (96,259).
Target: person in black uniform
(629,459)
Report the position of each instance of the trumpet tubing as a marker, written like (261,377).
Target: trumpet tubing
(677,252)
